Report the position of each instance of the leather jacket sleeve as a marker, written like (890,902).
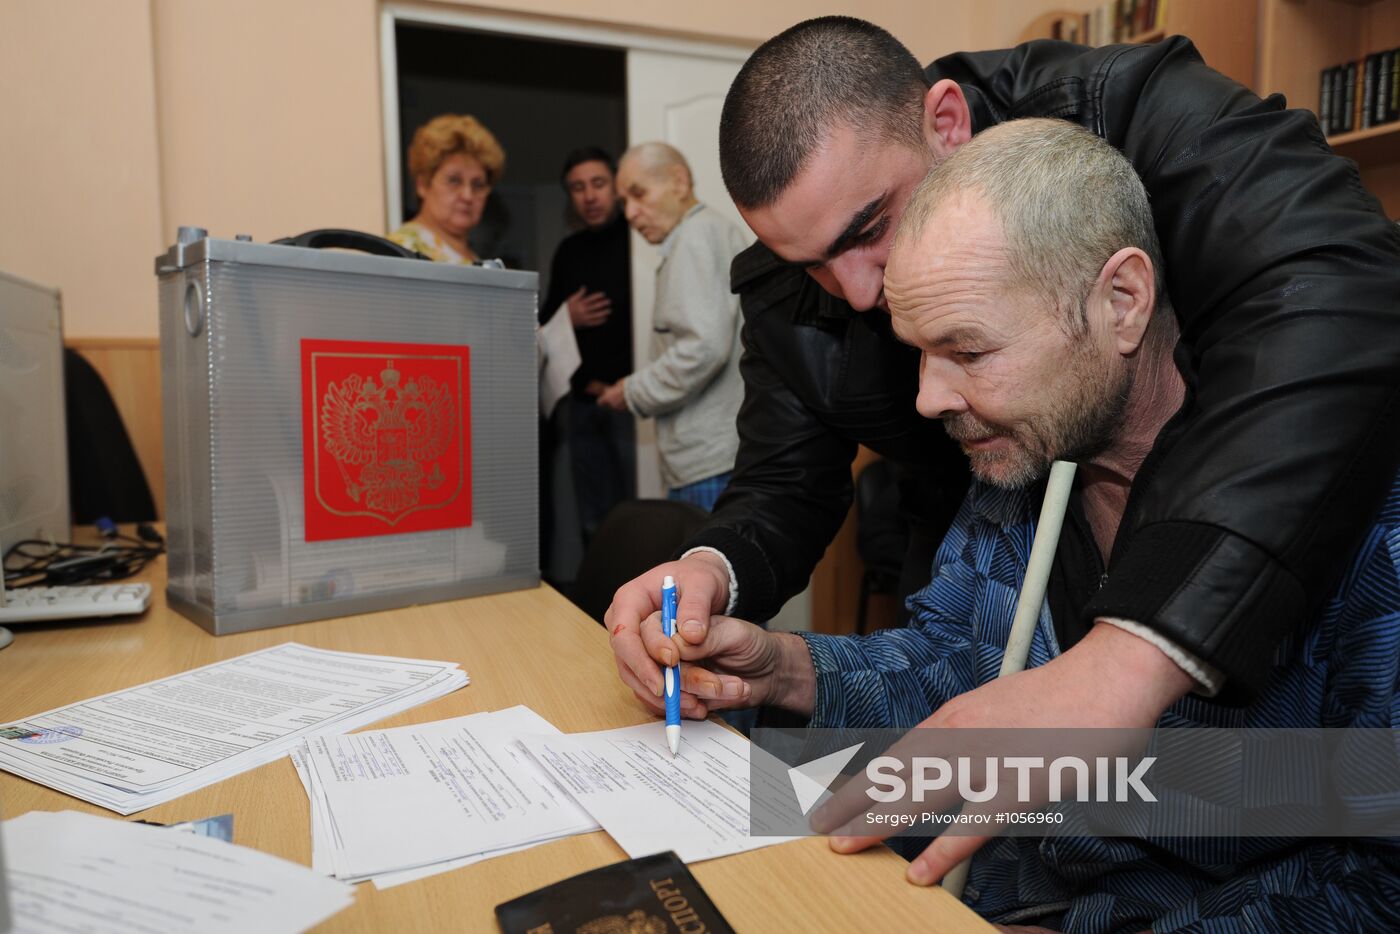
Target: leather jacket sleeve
(1285,275)
(792,478)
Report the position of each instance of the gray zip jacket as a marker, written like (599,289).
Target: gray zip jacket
(692,386)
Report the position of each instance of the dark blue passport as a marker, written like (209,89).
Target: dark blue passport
(650,895)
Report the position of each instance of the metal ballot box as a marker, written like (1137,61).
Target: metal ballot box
(343,432)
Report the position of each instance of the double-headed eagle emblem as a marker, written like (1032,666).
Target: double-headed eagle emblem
(387,436)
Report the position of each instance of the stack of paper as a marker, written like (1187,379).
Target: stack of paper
(401,804)
(134,749)
(696,803)
(76,872)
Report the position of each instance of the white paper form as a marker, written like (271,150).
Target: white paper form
(420,795)
(559,358)
(696,804)
(389,880)
(321,843)
(135,748)
(77,872)
(320,834)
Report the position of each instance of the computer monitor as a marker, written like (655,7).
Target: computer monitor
(33,427)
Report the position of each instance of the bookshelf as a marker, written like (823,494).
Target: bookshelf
(1370,148)
(1152,35)
(1299,38)
(1224,30)
(1282,46)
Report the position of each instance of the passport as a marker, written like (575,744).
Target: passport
(649,895)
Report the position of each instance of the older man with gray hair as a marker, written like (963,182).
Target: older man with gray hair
(692,385)
(1027,272)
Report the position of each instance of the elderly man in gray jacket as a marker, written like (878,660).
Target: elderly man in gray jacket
(692,385)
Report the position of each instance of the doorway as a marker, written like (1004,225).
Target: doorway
(540,98)
(544,86)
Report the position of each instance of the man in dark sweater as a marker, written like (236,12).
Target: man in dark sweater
(590,281)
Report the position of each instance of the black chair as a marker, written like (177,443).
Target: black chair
(882,534)
(635,536)
(104,475)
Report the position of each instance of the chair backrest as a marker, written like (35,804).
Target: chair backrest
(104,475)
(882,532)
(635,536)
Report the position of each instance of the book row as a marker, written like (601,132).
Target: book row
(1360,94)
(1114,21)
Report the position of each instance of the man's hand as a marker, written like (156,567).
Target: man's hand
(588,309)
(737,664)
(702,590)
(1110,679)
(613,397)
(595,388)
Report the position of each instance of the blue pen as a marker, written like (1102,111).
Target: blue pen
(673,673)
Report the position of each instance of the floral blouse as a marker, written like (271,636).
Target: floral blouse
(417,237)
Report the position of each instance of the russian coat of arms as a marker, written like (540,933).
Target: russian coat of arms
(385,437)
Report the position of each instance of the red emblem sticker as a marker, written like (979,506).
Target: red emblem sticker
(386,438)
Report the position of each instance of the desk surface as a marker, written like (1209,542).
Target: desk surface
(510,644)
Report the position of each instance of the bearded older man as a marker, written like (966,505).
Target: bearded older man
(1028,275)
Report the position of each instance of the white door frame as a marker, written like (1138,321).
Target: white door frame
(562,30)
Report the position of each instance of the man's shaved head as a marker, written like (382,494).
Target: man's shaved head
(832,71)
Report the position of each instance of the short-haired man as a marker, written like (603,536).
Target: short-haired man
(1282,270)
(591,277)
(692,385)
(1027,275)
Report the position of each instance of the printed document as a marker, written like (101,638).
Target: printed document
(559,358)
(77,872)
(136,748)
(390,801)
(696,803)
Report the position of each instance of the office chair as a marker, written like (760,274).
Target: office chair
(882,534)
(104,475)
(635,536)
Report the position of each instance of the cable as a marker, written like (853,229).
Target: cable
(36,563)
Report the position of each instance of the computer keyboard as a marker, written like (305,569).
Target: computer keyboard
(47,604)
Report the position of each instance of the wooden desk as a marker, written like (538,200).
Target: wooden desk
(511,645)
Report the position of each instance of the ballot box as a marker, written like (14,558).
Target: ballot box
(344,432)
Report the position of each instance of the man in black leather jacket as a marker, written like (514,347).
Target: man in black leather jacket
(1284,273)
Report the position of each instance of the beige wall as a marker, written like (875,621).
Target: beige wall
(120,119)
(999,25)
(929,27)
(79,173)
(269,114)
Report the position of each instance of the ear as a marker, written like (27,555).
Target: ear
(947,119)
(680,180)
(421,183)
(1126,288)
